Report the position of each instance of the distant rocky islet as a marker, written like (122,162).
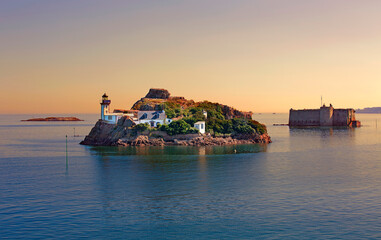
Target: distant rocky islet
(53,119)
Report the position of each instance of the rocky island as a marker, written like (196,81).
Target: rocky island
(52,119)
(159,119)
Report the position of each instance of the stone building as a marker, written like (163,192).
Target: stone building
(325,116)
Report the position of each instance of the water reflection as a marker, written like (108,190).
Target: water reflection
(203,167)
(169,186)
(302,138)
(179,150)
(323,132)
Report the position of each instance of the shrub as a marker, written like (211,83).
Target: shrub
(227,126)
(259,128)
(245,129)
(141,127)
(170,113)
(172,109)
(190,120)
(193,119)
(178,127)
(164,128)
(193,130)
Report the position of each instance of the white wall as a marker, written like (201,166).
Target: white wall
(149,122)
(200,127)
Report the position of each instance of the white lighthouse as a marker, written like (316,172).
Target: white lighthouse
(105,106)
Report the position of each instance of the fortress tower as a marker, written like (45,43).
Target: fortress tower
(326,116)
(105,106)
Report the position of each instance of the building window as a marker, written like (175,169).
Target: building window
(202,126)
(109,117)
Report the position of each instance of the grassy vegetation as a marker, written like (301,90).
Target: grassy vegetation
(172,109)
(216,122)
(141,127)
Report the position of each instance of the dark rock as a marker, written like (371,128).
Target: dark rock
(158,93)
(126,121)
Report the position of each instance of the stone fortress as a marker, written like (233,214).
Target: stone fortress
(325,116)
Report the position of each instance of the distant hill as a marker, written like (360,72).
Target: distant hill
(369,110)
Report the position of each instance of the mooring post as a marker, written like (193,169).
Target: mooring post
(66,152)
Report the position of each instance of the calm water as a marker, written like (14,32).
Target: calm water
(307,184)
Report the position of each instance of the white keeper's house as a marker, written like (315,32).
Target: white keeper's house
(153,118)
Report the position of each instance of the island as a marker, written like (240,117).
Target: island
(373,110)
(53,119)
(159,119)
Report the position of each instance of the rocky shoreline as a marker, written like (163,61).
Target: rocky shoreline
(104,134)
(197,141)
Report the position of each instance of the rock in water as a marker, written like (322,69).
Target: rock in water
(53,119)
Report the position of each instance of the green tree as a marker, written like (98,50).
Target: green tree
(259,128)
(244,129)
(178,127)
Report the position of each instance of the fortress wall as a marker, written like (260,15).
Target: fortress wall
(325,116)
(343,117)
(340,117)
(309,117)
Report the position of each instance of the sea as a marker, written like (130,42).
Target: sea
(309,183)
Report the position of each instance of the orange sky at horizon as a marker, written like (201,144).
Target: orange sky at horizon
(260,56)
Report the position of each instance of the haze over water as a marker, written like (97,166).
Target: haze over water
(307,184)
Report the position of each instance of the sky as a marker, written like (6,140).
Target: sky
(260,56)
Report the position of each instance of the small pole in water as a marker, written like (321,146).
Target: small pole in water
(66,152)
(74,132)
